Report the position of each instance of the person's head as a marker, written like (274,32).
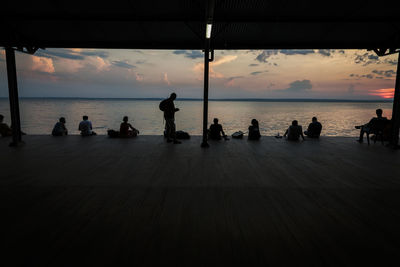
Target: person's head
(1,118)
(125,119)
(254,122)
(173,96)
(62,120)
(215,121)
(295,123)
(314,119)
(85,118)
(379,112)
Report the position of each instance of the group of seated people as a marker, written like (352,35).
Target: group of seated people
(293,133)
(86,128)
(378,125)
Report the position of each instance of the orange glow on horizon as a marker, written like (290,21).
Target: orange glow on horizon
(383,93)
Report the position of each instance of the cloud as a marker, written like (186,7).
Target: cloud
(264,55)
(199,67)
(98,63)
(230,81)
(290,52)
(139,77)
(386,73)
(366,59)
(165,79)
(390,62)
(297,87)
(101,54)
(253,65)
(383,93)
(193,54)
(42,64)
(257,72)
(140,62)
(325,52)
(123,64)
(60,53)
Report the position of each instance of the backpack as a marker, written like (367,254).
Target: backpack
(182,135)
(163,104)
(238,134)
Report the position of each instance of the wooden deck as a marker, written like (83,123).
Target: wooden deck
(142,202)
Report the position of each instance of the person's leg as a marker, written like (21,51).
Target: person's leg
(362,132)
(168,129)
(173,133)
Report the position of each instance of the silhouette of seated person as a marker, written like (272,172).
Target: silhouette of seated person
(314,128)
(254,130)
(59,128)
(375,126)
(85,127)
(294,132)
(216,132)
(126,129)
(5,130)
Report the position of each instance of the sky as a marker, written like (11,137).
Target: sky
(294,74)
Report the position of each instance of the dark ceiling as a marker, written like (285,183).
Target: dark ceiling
(180,24)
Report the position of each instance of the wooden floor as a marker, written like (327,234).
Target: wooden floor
(142,202)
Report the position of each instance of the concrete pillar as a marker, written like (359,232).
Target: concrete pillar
(13,96)
(396,108)
(204,143)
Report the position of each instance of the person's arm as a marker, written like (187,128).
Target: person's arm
(90,125)
(286,133)
(80,127)
(301,133)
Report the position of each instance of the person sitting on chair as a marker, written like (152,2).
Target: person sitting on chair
(216,130)
(314,128)
(294,132)
(124,129)
(254,130)
(5,130)
(373,126)
(59,128)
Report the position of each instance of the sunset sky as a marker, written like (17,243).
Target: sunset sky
(331,74)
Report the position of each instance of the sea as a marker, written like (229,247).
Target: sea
(338,118)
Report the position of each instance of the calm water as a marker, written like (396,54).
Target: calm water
(338,119)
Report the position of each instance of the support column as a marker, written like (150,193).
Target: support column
(13,96)
(396,108)
(205,98)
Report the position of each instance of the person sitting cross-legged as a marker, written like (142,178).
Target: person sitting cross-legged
(85,127)
(374,126)
(314,129)
(126,129)
(294,132)
(59,128)
(216,130)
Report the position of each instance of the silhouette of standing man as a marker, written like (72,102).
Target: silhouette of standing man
(168,107)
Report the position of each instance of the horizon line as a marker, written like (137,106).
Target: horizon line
(216,99)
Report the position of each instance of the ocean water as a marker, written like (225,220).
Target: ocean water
(38,116)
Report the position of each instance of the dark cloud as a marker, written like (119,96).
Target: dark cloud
(298,86)
(254,65)
(61,53)
(193,54)
(102,54)
(264,55)
(390,61)
(386,73)
(297,51)
(366,59)
(140,61)
(325,52)
(257,72)
(369,76)
(123,64)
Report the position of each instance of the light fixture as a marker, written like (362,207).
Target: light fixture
(208,31)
